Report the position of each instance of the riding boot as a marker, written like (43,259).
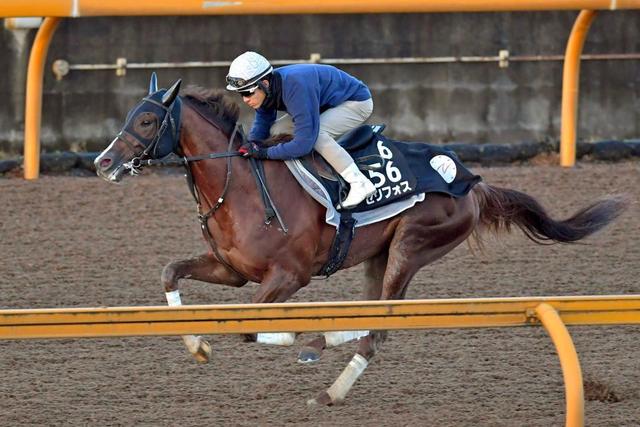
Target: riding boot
(360,186)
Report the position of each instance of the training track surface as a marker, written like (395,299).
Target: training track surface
(80,242)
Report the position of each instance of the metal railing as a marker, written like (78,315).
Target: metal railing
(62,68)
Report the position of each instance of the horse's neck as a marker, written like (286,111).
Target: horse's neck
(200,137)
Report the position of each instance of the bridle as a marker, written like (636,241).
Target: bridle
(168,121)
(148,157)
(172,158)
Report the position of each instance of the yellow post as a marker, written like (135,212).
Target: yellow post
(568,361)
(33,101)
(570,84)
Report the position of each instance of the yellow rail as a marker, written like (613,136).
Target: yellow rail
(552,312)
(78,8)
(307,317)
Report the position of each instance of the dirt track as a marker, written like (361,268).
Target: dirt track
(77,242)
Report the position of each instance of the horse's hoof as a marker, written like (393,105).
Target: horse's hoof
(308,355)
(322,399)
(249,337)
(203,353)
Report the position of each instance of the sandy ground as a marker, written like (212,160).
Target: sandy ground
(78,242)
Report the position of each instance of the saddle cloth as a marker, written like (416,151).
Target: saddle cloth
(403,173)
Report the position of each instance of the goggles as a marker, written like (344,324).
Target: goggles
(236,82)
(248,92)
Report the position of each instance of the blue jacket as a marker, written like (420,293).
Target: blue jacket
(306,91)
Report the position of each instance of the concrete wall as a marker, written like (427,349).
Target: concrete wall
(431,102)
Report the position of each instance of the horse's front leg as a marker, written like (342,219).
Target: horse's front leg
(205,268)
(277,285)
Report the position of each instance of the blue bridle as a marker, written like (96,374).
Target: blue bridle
(162,143)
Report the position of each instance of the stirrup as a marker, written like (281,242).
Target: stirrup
(342,206)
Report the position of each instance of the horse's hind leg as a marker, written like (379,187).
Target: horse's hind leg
(378,274)
(420,239)
(374,273)
(400,271)
(205,268)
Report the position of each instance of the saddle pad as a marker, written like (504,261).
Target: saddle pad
(311,184)
(407,168)
(401,172)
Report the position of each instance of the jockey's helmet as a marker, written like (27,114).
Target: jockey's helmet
(246,70)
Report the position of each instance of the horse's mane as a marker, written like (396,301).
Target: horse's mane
(218,104)
(221,107)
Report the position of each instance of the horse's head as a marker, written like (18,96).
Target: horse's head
(151,131)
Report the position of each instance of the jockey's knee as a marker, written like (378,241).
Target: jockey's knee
(332,152)
(325,142)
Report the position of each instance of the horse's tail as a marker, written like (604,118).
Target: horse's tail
(501,208)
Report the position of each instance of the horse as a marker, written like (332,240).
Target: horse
(200,130)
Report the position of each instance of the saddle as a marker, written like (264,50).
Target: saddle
(399,170)
(350,141)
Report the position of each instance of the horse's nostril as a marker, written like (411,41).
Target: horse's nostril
(104,163)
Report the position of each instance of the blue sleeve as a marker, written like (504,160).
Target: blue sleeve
(262,125)
(303,105)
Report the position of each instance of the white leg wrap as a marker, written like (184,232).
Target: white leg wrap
(190,341)
(340,337)
(284,338)
(173,298)
(347,378)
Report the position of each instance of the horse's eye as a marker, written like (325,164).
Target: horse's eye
(146,123)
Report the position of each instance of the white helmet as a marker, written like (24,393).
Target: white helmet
(247,69)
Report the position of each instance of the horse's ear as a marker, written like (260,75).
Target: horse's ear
(171,93)
(153,84)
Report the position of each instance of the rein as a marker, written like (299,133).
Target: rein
(204,218)
(173,160)
(194,190)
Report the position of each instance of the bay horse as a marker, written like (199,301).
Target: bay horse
(242,247)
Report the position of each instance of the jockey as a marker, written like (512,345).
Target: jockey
(322,103)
